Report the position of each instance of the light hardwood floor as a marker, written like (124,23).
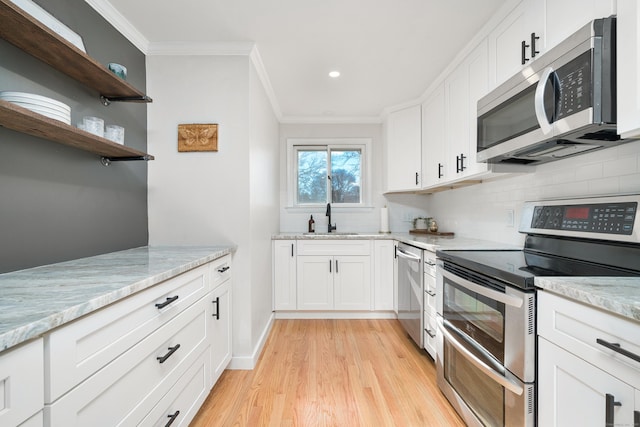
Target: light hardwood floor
(332,373)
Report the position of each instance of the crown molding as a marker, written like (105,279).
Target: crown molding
(120,23)
(331,120)
(256,59)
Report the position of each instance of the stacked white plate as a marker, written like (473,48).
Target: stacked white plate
(39,104)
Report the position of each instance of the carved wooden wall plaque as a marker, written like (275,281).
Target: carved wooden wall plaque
(198,137)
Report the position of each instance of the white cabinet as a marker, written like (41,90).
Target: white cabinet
(574,392)
(220,330)
(463,87)
(580,376)
(429,305)
(628,69)
(565,17)
(516,41)
(22,384)
(334,283)
(434,169)
(284,275)
(383,275)
(403,140)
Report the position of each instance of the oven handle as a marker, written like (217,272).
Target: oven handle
(541,115)
(405,254)
(495,376)
(489,293)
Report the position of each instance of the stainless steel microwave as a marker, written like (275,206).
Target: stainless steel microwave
(563,104)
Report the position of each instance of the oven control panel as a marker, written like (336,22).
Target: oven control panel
(607,218)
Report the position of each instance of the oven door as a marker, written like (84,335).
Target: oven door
(497,318)
(482,392)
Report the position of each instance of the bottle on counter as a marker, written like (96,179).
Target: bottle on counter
(312,225)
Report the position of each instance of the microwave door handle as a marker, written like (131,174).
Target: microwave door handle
(538,100)
(495,376)
(489,293)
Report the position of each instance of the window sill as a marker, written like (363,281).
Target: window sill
(334,209)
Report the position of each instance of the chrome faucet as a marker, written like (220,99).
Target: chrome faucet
(330,227)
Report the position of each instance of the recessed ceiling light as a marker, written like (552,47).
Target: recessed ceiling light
(334,74)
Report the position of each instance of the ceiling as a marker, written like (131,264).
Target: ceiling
(387,51)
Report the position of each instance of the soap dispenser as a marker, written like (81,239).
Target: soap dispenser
(312,225)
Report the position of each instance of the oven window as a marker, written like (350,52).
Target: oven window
(484,396)
(478,317)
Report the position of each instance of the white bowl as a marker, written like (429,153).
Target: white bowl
(30,97)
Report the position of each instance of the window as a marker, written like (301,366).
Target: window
(327,171)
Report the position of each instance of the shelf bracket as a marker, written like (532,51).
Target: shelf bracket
(106,161)
(107,100)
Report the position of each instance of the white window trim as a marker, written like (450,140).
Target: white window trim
(366,181)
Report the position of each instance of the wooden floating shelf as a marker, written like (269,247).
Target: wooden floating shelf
(24,31)
(22,120)
(432,233)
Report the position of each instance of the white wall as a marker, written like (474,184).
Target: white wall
(215,197)
(480,211)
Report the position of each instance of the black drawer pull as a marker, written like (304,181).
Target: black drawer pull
(172,418)
(616,347)
(431,334)
(167,302)
(610,401)
(223,269)
(217,303)
(431,294)
(172,350)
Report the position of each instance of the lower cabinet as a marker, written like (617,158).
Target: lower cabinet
(588,369)
(22,385)
(220,330)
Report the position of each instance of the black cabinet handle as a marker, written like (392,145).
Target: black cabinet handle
(292,250)
(330,266)
(431,294)
(524,47)
(417,178)
(611,404)
(534,52)
(440,170)
(172,418)
(223,269)
(167,302)
(636,418)
(217,303)
(172,350)
(462,166)
(616,347)
(431,334)
(336,266)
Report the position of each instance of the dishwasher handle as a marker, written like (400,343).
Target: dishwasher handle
(407,255)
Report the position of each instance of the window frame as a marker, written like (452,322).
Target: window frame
(338,144)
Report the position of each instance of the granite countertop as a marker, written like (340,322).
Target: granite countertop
(424,241)
(39,299)
(619,295)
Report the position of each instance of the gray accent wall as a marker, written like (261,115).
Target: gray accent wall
(59,203)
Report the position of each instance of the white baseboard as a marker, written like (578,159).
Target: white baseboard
(247,363)
(335,315)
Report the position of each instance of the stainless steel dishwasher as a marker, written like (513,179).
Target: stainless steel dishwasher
(410,290)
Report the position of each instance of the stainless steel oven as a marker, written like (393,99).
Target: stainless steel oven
(410,290)
(486,357)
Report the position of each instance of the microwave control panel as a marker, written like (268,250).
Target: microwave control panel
(608,218)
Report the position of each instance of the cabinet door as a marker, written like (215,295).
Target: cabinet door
(628,69)
(573,392)
(565,17)
(403,149)
(505,41)
(466,84)
(220,323)
(352,283)
(284,275)
(383,294)
(434,160)
(315,282)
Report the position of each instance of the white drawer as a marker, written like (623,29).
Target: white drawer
(429,263)
(576,327)
(130,386)
(430,295)
(334,247)
(430,334)
(184,399)
(77,350)
(21,383)
(220,271)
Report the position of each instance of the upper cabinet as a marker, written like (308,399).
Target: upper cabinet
(434,158)
(516,40)
(628,76)
(403,139)
(565,17)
